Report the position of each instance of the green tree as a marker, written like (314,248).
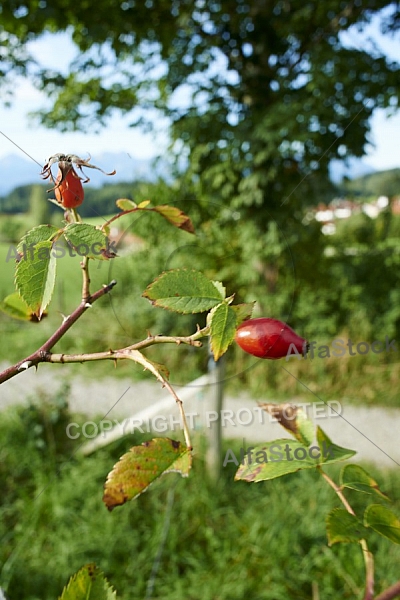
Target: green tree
(271,90)
(268,96)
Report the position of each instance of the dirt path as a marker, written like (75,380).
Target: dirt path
(372,432)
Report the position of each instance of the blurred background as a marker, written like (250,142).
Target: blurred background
(274,126)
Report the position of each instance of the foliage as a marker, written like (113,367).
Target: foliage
(11,229)
(67,526)
(276,55)
(184,291)
(17,201)
(270,96)
(383,183)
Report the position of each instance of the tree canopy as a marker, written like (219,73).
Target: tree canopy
(265,79)
(261,95)
(264,82)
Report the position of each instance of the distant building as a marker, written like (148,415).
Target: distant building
(396,205)
(341,208)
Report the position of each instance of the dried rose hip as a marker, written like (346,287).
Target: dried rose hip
(269,338)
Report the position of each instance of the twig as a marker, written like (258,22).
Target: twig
(85,279)
(369,571)
(391,592)
(40,355)
(136,356)
(338,491)
(121,353)
(368,557)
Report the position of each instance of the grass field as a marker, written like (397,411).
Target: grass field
(228,541)
(124,317)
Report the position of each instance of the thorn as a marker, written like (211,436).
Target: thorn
(64,317)
(88,305)
(25,365)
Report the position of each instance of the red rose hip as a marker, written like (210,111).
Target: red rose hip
(269,338)
(68,191)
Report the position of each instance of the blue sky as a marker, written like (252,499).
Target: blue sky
(40,142)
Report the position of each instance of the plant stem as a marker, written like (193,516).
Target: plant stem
(338,491)
(368,557)
(136,356)
(117,354)
(369,571)
(40,355)
(85,279)
(391,592)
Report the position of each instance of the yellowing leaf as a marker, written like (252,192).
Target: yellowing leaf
(175,216)
(142,465)
(126,204)
(143,204)
(293,419)
(15,307)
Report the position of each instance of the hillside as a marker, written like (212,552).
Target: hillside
(380,183)
(102,191)
(16,171)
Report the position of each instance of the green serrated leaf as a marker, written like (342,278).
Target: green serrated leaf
(42,233)
(383,521)
(222,321)
(142,465)
(126,204)
(341,526)
(333,452)
(356,478)
(220,287)
(183,291)
(175,216)
(88,583)
(243,312)
(277,458)
(88,241)
(35,278)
